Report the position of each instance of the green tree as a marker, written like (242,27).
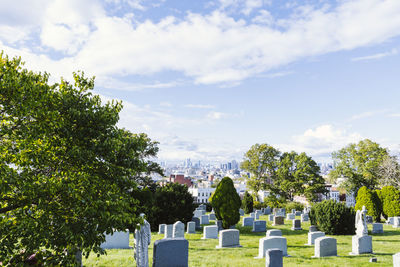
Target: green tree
(67,171)
(390,198)
(369,198)
(226,203)
(247,203)
(389,172)
(359,163)
(261,162)
(297,174)
(173,202)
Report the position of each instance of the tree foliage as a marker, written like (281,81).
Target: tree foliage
(67,171)
(247,203)
(390,198)
(359,163)
(369,198)
(226,203)
(333,218)
(261,162)
(389,172)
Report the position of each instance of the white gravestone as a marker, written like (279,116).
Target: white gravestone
(248,221)
(168,231)
(396,260)
(314,235)
(142,242)
(377,228)
(396,222)
(290,216)
(191,228)
(198,213)
(325,247)
(210,232)
(228,238)
(178,230)
(271,242)
(204,219)
(304,217)
(274,232)
(161,229)
(361,242)
(116,240)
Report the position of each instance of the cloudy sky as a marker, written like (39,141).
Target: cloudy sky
(208,79)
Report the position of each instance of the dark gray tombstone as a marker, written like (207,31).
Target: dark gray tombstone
(197,221)
(171,252)
(313,228)
(273,258)
(218,223)
(297,213)
(296,225)
(259,226)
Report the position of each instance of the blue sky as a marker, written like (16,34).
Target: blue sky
(208,79)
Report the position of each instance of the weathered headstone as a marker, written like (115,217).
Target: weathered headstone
(253,215)
(204,219)
(325,247)
(273,258)
(210,232)
(191,228)
(274,232)
(271,217)
(396,222)
(361,244)
(171,252)
(313,228)
(241,212)
(304,217)
(248,221)
(390,220)
(377,228)
(259,226)
(258,213)
(297,213)
(198,213)
(178,230)
(229,238)
(197,222)
(267,211)
(296,225)
(161,229)
(116,240)
(314,235)
(202,207)
(212,216)
(271,242)
(290,216)
(396,260)
(168,231)
(279,220)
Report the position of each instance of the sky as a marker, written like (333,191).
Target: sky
(209,79)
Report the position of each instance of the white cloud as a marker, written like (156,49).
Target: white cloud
(368,114)
(200,106)
(392,52)
(214,115)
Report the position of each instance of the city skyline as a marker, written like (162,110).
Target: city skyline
(208,79)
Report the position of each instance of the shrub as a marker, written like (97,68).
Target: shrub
(247,203)
(226,203)
(369,199)
(333,218)
(294,205)
(257,205)
(390,199)
(275,202)
(172,203)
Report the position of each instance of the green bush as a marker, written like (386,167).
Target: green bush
(274,202)
(257,205)
(333,218)
(226,203)
(390,198)
(172,203)
(294,205)
(369,198)
(247,203)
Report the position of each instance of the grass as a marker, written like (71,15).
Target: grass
(203,252)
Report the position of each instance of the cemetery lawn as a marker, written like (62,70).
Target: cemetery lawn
(203,252)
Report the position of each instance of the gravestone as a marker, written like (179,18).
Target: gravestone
(202,207)
(248,221)
(396,222)
(293,211)
(212,216)
(325,247)
(396,260)
(178,230)
(377,228)
(204,219)
(304,217)
(313,228)
(279,220)
(171,252)
(369,219)
(290,216)
(271,217)
(198,213)
(203,212)
(197,222)
(297,213)
(241,212)
(116,240)
(267,211)
(361,244)
(218,223)
(271,242)
(191,228)
(210,232)
(228,238)
(168,231)
(275,210)
(390,220)
(273,258)
(258,213)
(274,232)
(314,235)
(161,229)
(253,215)
(296,225)
(259,226)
